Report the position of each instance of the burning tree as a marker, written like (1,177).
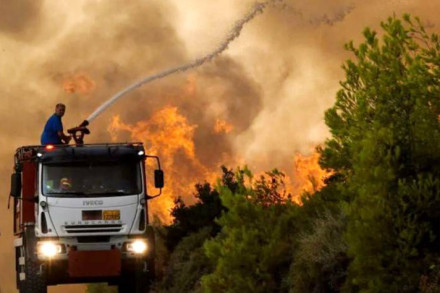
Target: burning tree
(386,151)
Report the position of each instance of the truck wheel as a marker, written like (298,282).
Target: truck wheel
(34,274)
(35,281)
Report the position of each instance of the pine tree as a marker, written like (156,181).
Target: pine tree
(252,253)
(385,147)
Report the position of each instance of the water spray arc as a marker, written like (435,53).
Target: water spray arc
(235,33)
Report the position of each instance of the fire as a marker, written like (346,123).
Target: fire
(79,83)
(221,126)
(165,133)
(169,135)
(308,176)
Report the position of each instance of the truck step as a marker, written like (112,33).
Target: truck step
(22,276)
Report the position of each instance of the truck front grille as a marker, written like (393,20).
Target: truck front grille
(106,228)
(93,239)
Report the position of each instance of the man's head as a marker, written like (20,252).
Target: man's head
(60,109)
(65,184)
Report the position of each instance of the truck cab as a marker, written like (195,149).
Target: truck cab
(81,215)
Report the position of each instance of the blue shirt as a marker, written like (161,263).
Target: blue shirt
(50,132)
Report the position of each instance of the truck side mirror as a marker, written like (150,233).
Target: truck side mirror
(158,179)
(15,185)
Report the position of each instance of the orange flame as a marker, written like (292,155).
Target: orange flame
(221,126)
(308,176)
(166,132)
(79,83)
(169,135)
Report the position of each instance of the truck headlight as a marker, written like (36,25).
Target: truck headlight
(137,246)
(49,249)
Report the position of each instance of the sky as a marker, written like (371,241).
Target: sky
(259,103)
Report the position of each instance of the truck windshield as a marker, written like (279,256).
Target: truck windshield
(92,178)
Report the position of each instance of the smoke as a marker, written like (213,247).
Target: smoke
(21,18)
(235,33)
(271,86)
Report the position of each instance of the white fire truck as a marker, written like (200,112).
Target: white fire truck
(81,215)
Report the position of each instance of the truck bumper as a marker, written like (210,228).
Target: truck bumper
(88,262)
(62,248)
(93,264)
(87,268)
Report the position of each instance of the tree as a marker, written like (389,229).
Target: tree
(320,257)
(385,148)
(187,264)
(252,253)
(320,252)
(184,261)
(190,219)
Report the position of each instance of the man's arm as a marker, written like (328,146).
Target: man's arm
(64,138)
(58,127)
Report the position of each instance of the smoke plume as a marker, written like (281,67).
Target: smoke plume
(196,63)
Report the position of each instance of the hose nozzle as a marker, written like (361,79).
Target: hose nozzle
(79,132)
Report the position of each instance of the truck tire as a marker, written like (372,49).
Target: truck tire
(35,274)
(35,281)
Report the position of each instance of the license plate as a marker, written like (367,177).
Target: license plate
(111,215)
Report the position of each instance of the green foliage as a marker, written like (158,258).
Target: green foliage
(320,260)
(385,147)
(180,258)
(189,219)
(161,252)
(187,264)
(252,253)
(320,255)
(270,189)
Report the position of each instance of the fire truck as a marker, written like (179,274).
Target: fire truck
(81,215)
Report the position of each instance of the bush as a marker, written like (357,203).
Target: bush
(187,264)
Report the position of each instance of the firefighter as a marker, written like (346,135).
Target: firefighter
(53,130)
